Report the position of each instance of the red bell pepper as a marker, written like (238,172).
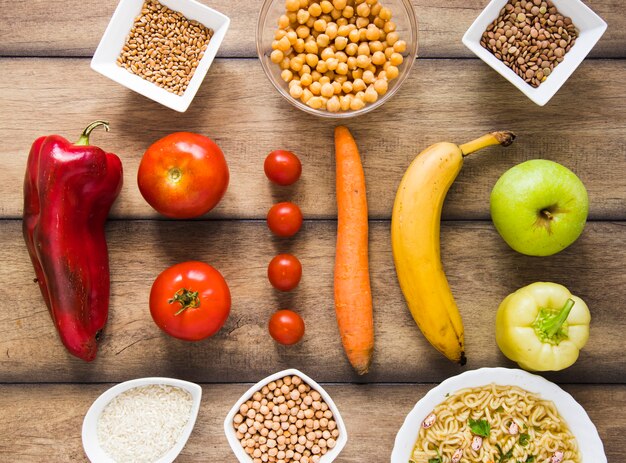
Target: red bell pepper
(68,192)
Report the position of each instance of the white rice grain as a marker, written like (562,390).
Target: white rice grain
(143,423)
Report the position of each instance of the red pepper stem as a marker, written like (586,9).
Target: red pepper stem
(556,324)
(84,137)
(187,299)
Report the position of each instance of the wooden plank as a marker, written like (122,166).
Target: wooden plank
(45,420)
(481,270)
(74,27)
(442,100)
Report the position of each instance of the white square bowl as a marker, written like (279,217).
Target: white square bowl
(91,445)
(238,450)
(104,60)
(590,28)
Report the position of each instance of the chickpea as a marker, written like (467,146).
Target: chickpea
(356,103)
(295,65)
(364,49)
(319,25)
(351,49)
(327,7)
(302,16)
(341,57)
(363,34)
(306,69)
(283,21)
(335,14)
(396,59)
(357,74)
(299,46)
(376,45)
(354,36)
(321,67)
(292,5)
(347,87)
(277,56)
(339,4)
(280,33)
(306,96)
(315,88)
(385,14)
(389,26)
(379,22)
(316,75)
(323,40)
(373,33)
(381,86)
(303,32)
(311,47)
(336,87)
(388,52)
(345,101)
(375,9)
(310,22)
(358,85)
(332,63)
(399,46)
(342,69)
(348,12)
(368,78)
(304,3)
(392,72)
(315,10)
(392,37)
(327,91)
(371,95)
(341,43)
(342,22)
(312,59)
(343,30)
(324,80)
(331,31)
(327,53)
(363,10)
(283,44)
(361,22)
(379,58)
(292,36)
(363,61)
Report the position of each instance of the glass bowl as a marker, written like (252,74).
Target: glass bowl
(402,14)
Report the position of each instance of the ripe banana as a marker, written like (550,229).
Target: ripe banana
(415,230)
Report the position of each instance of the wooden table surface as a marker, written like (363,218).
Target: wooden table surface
(48,87)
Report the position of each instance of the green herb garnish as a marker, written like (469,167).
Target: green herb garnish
(524,439)
(529,459)
(480,427)
(437,459)
(504,456)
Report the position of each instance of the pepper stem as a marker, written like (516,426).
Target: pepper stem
(553,326)
(84,137)
(504,138)
(187,299)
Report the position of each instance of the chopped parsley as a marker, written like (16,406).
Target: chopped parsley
(529,459)
(524,439)
(480,427)
(504,457)
(435,460)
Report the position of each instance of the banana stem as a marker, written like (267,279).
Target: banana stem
(494,138)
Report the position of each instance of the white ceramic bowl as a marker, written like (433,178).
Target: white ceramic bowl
(238,450)
(105,59)
(578,421)
(90,423)
(590,28)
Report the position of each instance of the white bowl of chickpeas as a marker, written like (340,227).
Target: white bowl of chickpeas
(337,58)
(285,418)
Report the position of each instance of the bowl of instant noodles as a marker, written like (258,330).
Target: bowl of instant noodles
(497,414)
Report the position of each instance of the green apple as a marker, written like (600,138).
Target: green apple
(539,207)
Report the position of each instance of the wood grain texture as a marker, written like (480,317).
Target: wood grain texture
(481,270)
(45,420)
(442,100)
(74,27)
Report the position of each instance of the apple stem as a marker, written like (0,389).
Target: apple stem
(547,214)
(503,138)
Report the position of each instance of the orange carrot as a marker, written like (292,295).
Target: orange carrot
(353,295)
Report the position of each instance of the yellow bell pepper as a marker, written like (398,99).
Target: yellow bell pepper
(542,327)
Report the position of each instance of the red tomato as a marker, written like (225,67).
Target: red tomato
(183,175)
(284,219)
(190,301)
(286,327)
(282,167)
(284,272)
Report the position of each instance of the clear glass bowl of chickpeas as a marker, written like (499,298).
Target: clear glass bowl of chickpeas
(337,58)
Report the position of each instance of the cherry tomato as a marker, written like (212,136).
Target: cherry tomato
(183,175)
(286,327)
(282,167)
(190,301)
(284,219)
(284,272)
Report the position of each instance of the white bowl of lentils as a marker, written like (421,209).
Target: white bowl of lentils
(161,49)
(542,42)
(285,418)
(337,58)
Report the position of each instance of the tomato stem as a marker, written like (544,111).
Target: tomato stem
(187,299)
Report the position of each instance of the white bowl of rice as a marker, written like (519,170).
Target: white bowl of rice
(146,420)
(518,403)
